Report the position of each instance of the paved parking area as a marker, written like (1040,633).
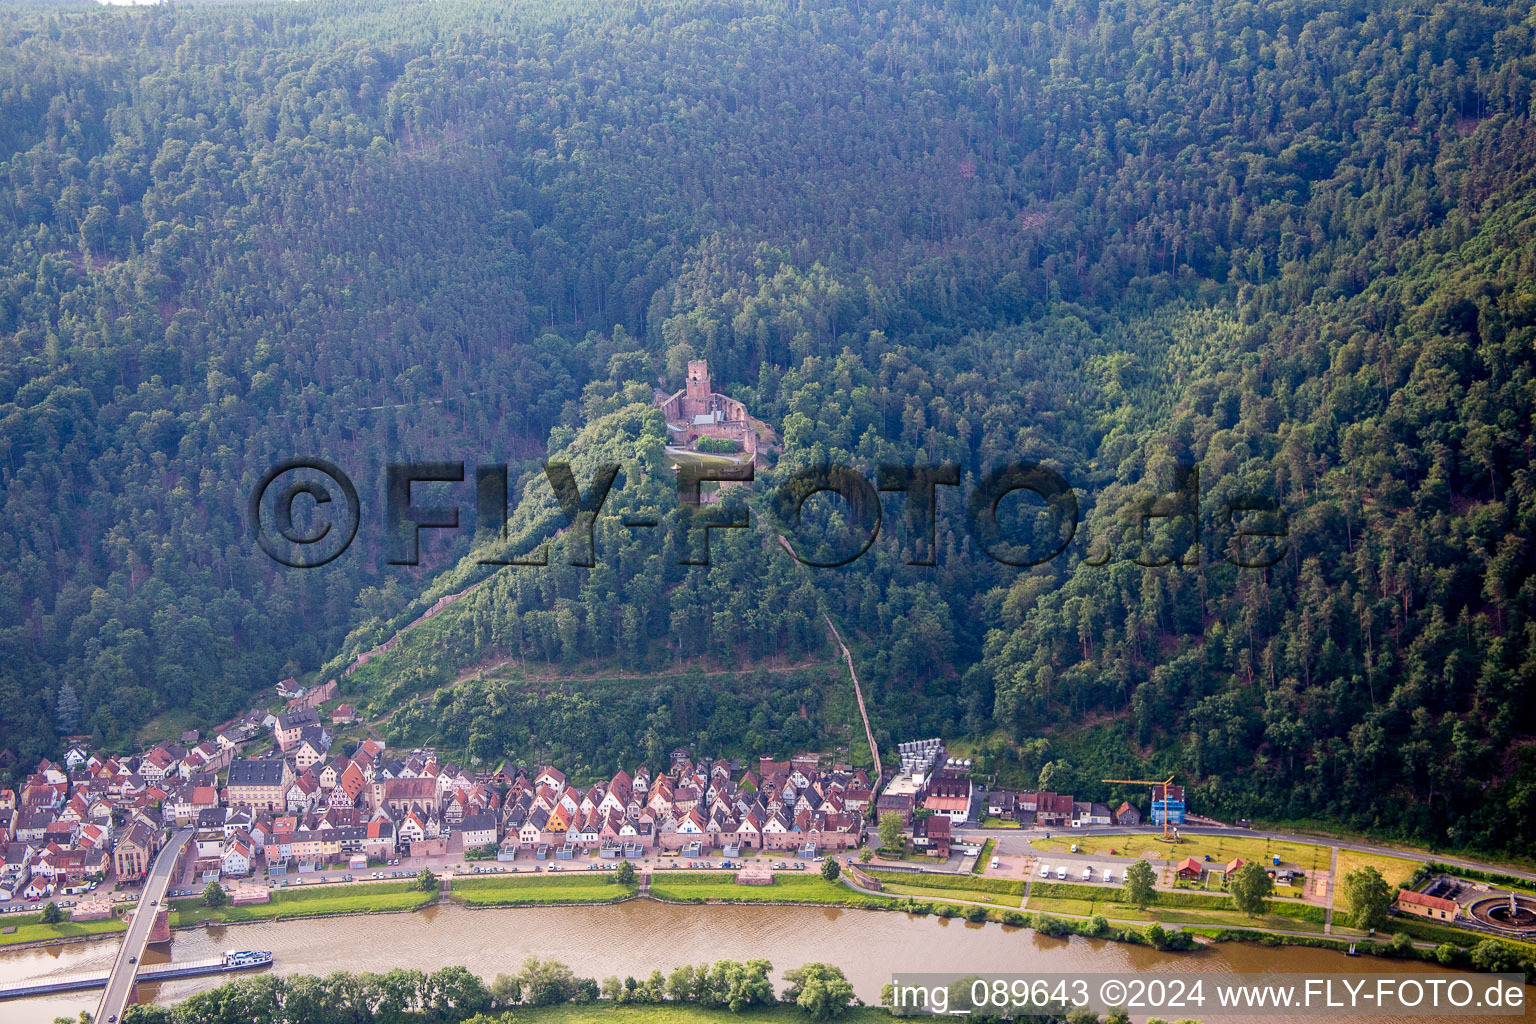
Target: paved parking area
(1099,871)
(1010,866)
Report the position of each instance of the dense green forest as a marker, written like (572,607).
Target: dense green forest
(1292,244)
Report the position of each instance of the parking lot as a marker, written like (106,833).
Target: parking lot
(93,891)
(1009,866)
(1080,872)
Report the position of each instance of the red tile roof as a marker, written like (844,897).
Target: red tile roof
(1420,899)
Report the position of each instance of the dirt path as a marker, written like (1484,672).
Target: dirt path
(1333,872)
(858,692)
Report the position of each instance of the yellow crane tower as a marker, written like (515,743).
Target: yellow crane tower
(1170,834)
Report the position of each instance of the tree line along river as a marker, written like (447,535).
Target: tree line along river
(637,936)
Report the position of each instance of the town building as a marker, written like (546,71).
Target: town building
(478,830)
(949,790)
(1085,814)
(135,852)
(289,728)
(1167,804)
(260,784)
(1421,904)
(931,833)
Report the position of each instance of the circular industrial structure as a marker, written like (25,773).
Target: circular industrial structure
(1509,912)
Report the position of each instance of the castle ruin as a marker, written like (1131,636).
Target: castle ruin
(697,411)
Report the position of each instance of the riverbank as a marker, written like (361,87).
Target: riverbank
(637,936)
(30,933)
(540,890)
(807,890)
(674,1013)
(321,901)
(1051,909)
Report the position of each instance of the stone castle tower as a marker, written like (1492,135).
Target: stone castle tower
(698,388)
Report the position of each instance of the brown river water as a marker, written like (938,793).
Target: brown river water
(634,937)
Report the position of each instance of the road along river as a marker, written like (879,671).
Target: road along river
(634,937)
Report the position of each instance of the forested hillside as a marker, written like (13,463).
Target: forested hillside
(1290,243)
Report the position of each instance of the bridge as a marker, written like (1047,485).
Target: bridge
(97,979)
(151,910)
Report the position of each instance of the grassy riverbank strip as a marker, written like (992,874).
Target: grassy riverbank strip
(29,928)
(384,897)
(715,887)
(1182,908)
(999,891)
(605,1012)
(1426,931)
(539,890)
(923,892)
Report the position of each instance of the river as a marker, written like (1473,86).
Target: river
(634,937)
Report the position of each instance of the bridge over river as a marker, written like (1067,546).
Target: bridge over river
(120,981)
(98,979)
